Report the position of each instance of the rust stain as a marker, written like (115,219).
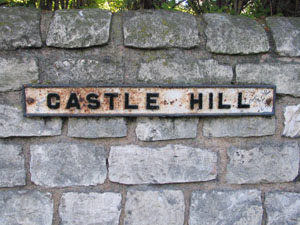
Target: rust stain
(30,100)
(269,101)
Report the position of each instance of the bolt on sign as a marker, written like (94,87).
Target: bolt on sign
(144,100)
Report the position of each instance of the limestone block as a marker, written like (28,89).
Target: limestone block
(19,28)
(79,28)
(83,71)
(267,162)
(292,121)
(25,207)
(66,164)
(132,164)
(282,208)
(154,207)
(12,169)
(186,72)
(97,128)
(16,72)
(90,208)
(14,124)
(229,34)
(286,34)
(286,76)
(155,129)
(226,207)
(239,126)
(160,29)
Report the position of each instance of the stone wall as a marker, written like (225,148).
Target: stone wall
(136,171)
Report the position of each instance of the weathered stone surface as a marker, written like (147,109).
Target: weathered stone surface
(159,29)
(226,207)
(12,166)
(154,207)
(97,128)
(234,35)
(84,71)
(291,121)
(66,164)
(283,208)
(79,28)
(19,27)
(25,207)
(286,34)
(90,208)
(171,164)
(15,72)
(201,71)
(266,162)
(155,129)
(13,124)
(239,126)
(286,76)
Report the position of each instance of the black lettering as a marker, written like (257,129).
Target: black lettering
(51,96)
(127,104)
(94,102)
(240,104)
(221,105)
(111,99)
(150,101)
(73,101)
(196,101)
(210,99)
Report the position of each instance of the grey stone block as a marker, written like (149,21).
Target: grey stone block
(84,71)
(90,208)
(155,129)
(226,208)
(228,34)
(239,126)
(12,166)
(286,76)
(14,124)
(19,28)
(201,71)
(264,163)
(79,28)
(171,164)
(160,29)
(66,164)
(286,34)
(282,208)
(25,207)
(97,128)
(154,207)
(15,72)
(291,121)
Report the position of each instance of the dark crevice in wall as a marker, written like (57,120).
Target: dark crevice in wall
(56,196)
(187,201)
(234,74)
(264,218)
(271,40)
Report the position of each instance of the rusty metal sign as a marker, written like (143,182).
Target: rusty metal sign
(144,100)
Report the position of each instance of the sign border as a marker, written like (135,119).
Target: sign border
(146,86)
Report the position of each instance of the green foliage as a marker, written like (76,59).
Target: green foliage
(113,6)
(251,8)
(210,6)
(256,10)
(167,5)
(13,3)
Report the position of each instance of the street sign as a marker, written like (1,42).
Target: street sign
(148,100)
